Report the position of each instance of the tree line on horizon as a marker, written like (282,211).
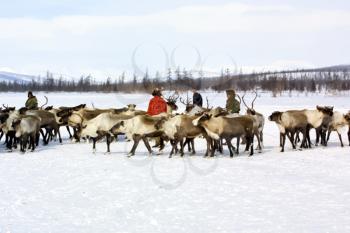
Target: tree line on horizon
(275,82)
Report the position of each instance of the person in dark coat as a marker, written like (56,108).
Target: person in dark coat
(232,104)
(32,102)
(197,98)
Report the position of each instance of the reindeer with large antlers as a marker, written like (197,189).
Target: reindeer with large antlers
(171,102)
(258,118)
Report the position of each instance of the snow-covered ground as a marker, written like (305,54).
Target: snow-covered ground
(67,188)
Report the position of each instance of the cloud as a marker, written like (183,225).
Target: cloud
(191,19)
(83,44)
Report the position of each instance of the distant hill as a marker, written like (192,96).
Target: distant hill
(13,77)
(335,68)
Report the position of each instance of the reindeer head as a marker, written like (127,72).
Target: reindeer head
(218,111)
(205,117)
(171,101)
(347,117)
(3,117)
(78,107)
(117,128)
(131,107)
(327,110)
(187,103)
(16,123)
(275,116)
(8,109)
(250,110)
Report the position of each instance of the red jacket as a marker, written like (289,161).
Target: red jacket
(156,105)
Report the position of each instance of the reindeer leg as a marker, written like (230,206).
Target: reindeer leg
(259,140)
(237,149)
(174,147)
(59,134)
(208,147)
(308,136)
(187,142)
(318,133)
(70,135)
(329,134)
(283,141)
(108,141)
(229,145)
(349,136)
(251,142)
(192,145)
(24,143)
(340,139)
(161,144)
(247,143)
(145,141)
(34,142)
(94,145)
(75,135)
(181,147)
(304,141)
(290,136)
(43,135)
(221,147)
(37,138)
(136,139)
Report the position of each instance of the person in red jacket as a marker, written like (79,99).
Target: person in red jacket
(157,104)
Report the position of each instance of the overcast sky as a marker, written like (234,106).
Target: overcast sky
(107,37)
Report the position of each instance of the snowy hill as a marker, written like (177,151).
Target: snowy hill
(13,77)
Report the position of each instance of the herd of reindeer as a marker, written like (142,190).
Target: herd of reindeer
(23,127)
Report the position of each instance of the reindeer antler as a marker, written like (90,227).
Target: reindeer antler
(47,100)
(188,101)
(244,102)
(256,96)
(240,99)
(206,98)
(172,98)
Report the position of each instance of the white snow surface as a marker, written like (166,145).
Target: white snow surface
(67,188)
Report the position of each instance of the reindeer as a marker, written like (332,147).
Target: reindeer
(99,127)
(8,115)
(259,120)
(47,122)
(180,127)
(289,123)
(27,130)
(138,128)
(192,109)
(339,123)
(293,121)
(227,128)
(171,103)
(319,119)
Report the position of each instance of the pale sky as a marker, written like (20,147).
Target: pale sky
(107,37)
